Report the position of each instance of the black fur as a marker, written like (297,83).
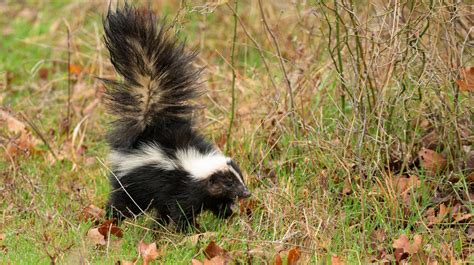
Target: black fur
(141,48)
(152,107)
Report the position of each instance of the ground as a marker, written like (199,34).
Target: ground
(353,124)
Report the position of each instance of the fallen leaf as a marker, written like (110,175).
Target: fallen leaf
(277,259)
(436,219)
(335,260)
(347,187)
(92,213)
(466,83)
(96,237)
(400,255)
(403,185)
(13,124)
(2,237)
(9,76)
(108,226)
(467,166)
(213,250)
(431,161)
(422,259)
(126,262)
(377,237)
(25,144)
(217,260)
(148,252)
(196,262)
(432,141)
(75,69)
(43,73)
(404,243)
(458,217)
(293,256)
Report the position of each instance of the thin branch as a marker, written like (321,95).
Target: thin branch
(40,135)
(232,62)
(282,65)
(68,80)
(259,48)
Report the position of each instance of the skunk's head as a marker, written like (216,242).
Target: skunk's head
(228,182)
(220,175)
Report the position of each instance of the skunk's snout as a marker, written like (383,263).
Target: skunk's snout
(245,193)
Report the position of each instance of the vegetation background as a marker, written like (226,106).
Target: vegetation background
(353,121)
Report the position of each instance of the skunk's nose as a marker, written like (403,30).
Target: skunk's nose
(245,193)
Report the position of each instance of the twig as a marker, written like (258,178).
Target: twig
(259,49)
(40,135)
(68,79)
(232,57)
(282,65)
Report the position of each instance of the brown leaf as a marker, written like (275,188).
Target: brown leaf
(92,213)
(213,250)
(293,256)
(347,187)
(13,124)
(466,83)
(377,237)
(43,73)
(403,186)
(126,262)
(75,69)
(458,217)
(277,259)
(436,219)
(422,259)
(217,260)
(96,237)
(431,161)
(107,226)
(400,255)
(335,260)
(148,252)
(404,244)
(9,76)
(432,140)
(25,144)
(196,262)
(2,237)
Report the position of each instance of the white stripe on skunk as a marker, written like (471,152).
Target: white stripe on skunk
(200,166)
(149,154)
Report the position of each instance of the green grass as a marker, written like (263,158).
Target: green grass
(297,180)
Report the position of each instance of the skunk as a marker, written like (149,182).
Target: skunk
(158,160)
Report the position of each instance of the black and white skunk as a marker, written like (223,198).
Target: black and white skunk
(159,161)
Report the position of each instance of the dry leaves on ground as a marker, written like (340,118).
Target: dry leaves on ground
(294,256)
(336,260)
(92,213)
(466,83)
(215,255)
(148,252)
(432,161)
(404,248)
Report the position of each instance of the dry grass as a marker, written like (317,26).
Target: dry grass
(333,102)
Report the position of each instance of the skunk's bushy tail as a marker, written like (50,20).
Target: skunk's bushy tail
(159,77)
